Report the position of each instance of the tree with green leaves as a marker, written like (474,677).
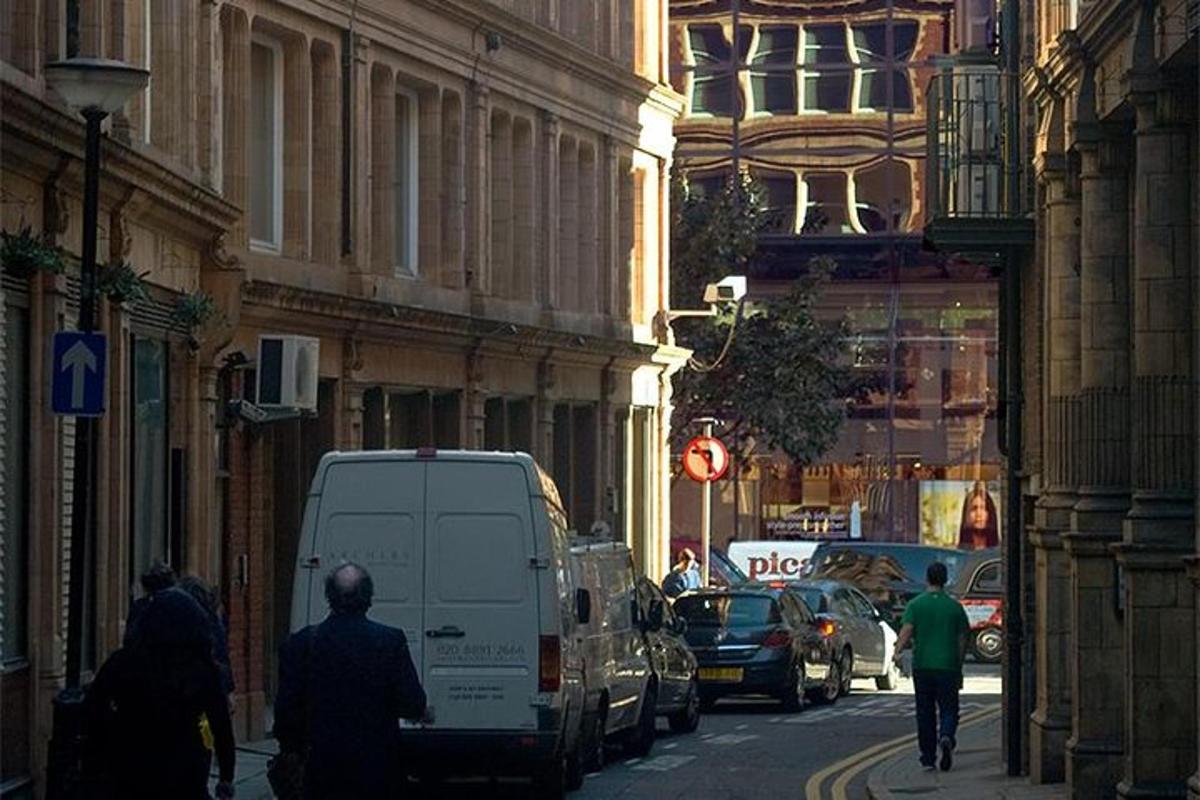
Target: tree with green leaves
(772,369)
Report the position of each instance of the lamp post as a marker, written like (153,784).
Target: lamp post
(94,88)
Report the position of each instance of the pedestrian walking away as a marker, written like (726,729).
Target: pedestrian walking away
(937,626)
(156,712)
(344,686)
(158,578)
(684,576)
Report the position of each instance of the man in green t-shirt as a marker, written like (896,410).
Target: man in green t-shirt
(937,626)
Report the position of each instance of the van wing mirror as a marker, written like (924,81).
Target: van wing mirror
(583,606)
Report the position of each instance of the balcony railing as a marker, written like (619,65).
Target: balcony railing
(974,168)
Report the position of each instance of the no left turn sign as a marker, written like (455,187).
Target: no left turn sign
(705,459)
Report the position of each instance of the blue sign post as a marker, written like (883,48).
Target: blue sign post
(80,362)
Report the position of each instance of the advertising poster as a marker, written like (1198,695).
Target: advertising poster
(960,514)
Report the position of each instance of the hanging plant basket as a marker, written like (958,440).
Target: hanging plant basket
(194,310)
(121,283)
(23,254)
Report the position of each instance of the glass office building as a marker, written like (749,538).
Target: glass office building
(823,101)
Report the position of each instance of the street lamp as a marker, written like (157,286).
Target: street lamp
(95,88)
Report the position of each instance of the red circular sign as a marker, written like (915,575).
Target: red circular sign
(705,459)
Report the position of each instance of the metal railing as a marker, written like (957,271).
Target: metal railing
(974,167)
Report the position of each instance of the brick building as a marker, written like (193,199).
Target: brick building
(463,202)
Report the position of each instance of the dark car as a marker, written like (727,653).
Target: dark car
(671,659)
(980,588)
(758,641)
(859,633)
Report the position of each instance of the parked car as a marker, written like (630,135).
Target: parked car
(671,660)
(858,630)
(621,688)
(757,641)
(980,588)
(890,575)
(480,583)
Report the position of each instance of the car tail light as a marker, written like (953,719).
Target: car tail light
(777,585)
(827,627)
(777,639)
(549,664)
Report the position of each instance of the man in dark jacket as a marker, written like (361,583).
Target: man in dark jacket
(344,685)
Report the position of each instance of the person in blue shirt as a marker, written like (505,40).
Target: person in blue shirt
(684,576)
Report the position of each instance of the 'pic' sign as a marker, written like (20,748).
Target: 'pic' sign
(705,459)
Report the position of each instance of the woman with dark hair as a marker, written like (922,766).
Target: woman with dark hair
(980,527)
(145,706)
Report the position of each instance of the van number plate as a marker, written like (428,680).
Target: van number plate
(727,675)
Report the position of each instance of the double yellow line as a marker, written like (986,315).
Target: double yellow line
(848,769)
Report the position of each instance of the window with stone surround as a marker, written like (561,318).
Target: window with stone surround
(14,522)
(265,144)
(148,453)
(405,180)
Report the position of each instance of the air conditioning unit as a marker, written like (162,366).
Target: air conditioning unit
(287,371)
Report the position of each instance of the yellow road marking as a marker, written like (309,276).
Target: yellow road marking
(872,755)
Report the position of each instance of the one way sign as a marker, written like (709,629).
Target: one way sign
(79,372)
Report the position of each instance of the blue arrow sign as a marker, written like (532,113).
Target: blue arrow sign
(79,373)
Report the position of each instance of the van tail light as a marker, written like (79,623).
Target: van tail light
(549,664)
(777,639)
(827,627)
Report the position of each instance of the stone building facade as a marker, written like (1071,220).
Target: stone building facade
(1113,312)
(463,202)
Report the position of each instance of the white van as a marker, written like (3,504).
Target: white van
(469,556)
(618,677)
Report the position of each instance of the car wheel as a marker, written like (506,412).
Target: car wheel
(642,740)
(847,671)
(551,782)
(792,698)
(688,719)
(829,691)
(593,741)
(890,679)
(988,645)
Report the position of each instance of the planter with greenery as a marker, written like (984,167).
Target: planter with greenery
(121,283)
(23,254)
(193,310)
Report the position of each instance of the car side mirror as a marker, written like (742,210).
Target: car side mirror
(655,617)
(583,606)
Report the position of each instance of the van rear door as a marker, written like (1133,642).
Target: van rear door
(371,512)
(480,667)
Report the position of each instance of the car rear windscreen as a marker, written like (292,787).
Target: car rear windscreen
(853,565)
(730,611)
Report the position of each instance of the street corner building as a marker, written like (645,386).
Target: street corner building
(370,224)
(1095,203)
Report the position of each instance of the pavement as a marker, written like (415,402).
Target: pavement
(978,773)
(250,779)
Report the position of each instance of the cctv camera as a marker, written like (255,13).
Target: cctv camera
(728,290)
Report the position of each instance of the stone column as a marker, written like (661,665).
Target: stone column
(548,277)
(478,199)
(475,401)
(1160,631)
(1093,763)
(1050,723)
(544,428)
(235,105)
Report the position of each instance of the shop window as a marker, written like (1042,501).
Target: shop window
(508,424)
(149,454)
(265,164)
(708,184)
(883,197)
(712,80)
(414,419)
(825,204)
(825,71)
(576,460)
(779,198)
(14,536)
(773,86)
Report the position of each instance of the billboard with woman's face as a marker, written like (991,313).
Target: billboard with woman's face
(962,514)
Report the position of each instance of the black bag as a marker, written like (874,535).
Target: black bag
(285,772)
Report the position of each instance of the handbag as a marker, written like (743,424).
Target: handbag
(285,771)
